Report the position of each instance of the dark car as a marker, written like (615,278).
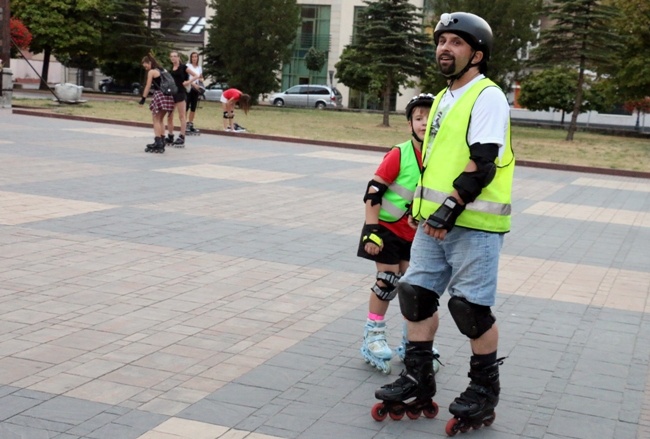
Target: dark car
(110,85)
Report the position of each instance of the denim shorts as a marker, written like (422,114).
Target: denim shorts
(465,263)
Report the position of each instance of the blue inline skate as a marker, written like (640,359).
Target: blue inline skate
(375,349)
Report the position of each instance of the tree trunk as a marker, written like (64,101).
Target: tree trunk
(573,126)
(46,69)
(386,108)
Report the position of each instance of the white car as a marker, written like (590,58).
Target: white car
(310,95)
(214,91)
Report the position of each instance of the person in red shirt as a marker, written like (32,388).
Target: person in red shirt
(387,235)
(229,98)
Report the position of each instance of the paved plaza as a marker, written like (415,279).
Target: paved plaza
(214,292)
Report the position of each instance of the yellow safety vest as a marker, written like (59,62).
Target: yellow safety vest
(398,197)
(447,159)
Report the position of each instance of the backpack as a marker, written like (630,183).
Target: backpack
(167,84)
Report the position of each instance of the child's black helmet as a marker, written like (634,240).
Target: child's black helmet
(470,27)
(421,100)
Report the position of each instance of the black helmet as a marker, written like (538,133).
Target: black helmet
(421,100)
(470,27)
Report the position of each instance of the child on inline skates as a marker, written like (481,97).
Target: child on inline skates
(386,237)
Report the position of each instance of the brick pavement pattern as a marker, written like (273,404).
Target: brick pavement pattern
(214,292)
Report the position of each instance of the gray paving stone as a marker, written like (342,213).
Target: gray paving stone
(574,370)
(246,395)
(11,405)
(66,410)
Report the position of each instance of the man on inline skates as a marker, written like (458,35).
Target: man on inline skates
(462,203)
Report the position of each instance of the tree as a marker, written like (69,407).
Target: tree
(20,35)
(514,25)
(632,74)
(249,41)
(128,25)
(555,90)
(315,59)
(60,27)
(581,36)
(392,45)
(640,106)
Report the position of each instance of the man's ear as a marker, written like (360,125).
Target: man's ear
(478,57)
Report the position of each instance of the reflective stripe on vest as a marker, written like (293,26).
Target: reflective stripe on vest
(399,195)
(447,159)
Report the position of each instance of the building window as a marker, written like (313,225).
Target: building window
(314,32)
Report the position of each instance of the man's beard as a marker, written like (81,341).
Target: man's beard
(449,69)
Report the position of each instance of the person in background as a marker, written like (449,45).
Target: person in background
(183,77)
(196,89)
(159,106)
(229,99)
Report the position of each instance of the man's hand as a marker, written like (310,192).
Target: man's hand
(444,218)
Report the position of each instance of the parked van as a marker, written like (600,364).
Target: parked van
(309,95)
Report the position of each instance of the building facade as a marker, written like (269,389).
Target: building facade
(328,26)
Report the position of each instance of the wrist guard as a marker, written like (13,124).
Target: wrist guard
(142,99)
(370,233)
(446,215)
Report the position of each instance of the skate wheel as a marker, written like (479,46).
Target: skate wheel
(452,427)
(487,422)
(413,415)
(378,412)
(385,368)
(395,416)
(432,411)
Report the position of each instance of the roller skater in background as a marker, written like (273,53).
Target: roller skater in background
(183,77)
(386,236)
(462,204)
(160,105)
(229,99)
(196,89)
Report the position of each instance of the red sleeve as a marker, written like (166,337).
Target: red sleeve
(389,168)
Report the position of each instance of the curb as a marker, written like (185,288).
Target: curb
(353,146)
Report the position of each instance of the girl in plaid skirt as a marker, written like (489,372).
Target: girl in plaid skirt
(160,106)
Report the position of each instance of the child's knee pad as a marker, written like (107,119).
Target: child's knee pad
(225,115)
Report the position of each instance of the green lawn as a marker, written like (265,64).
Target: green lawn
(531,144)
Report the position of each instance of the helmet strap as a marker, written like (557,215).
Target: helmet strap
(456,76)
(415,136)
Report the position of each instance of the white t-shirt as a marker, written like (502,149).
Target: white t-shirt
(198,70)
(490,114)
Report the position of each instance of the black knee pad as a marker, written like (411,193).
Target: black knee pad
(388,291)
(472,320)
(416,303)
(225,115)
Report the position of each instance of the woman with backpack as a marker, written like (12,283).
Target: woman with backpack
(183,76)
(161,104)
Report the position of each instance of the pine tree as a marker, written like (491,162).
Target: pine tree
(580,37)
(390,49)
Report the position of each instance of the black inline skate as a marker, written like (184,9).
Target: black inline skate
(179,142)
(191,131)
(158,146)
(411,393)
(169,140)
(475,406)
